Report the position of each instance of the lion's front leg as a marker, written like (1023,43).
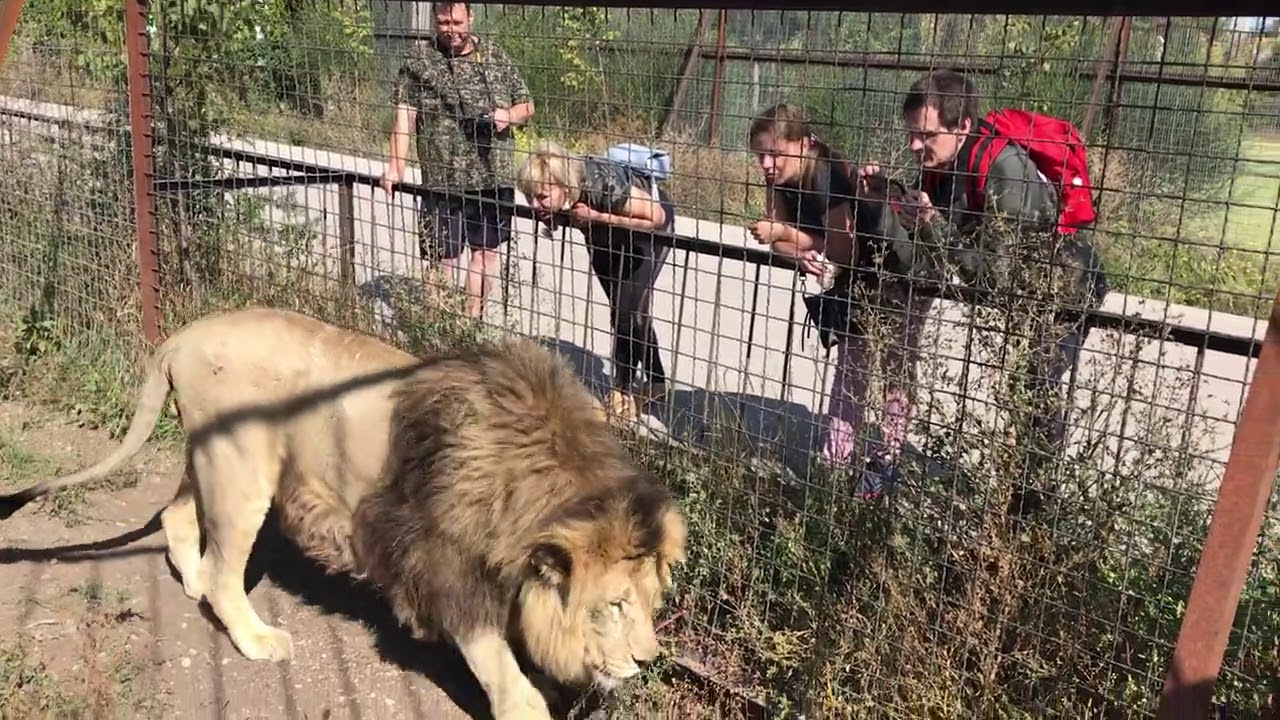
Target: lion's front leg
(511,694)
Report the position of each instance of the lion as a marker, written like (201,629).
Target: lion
(480,491)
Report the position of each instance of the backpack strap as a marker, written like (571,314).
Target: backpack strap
(982,147)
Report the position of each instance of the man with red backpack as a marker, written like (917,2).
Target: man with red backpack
(1008,198)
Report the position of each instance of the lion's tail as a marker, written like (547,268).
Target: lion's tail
(151,403)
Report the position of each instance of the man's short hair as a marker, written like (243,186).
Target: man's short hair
(951,93)
(438,7)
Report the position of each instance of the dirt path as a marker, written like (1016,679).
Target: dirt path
(97,624)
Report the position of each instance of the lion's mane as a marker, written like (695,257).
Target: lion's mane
(499,457)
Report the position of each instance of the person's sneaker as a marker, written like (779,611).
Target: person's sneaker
(877,475)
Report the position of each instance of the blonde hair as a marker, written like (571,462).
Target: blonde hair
(551,163)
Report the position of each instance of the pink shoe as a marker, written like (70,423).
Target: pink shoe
(839,445)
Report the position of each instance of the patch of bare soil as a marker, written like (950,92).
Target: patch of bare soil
(97,625)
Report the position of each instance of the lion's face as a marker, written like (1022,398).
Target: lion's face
(589,618)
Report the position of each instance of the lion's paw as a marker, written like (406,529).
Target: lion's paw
(192,587)
(532,706)
(269,643)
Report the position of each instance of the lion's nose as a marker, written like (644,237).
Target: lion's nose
(646,653)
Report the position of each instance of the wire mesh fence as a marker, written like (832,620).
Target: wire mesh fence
(1008,568)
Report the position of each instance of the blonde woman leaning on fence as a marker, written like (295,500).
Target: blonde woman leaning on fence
(814,210)
(617,203)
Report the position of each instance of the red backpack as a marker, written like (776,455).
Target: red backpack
(1056,148)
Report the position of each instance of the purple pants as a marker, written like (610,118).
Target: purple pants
(899,331)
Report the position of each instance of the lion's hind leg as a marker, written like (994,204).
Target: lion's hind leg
(512,696)
(182,532)
(236,487)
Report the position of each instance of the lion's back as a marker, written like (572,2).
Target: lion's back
(293,386)
(233,359)
(520,432)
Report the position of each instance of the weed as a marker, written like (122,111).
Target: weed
(27,690)
(18,465)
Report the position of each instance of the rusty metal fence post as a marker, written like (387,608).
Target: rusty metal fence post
(1106,66)
(10,11)
(144,199)
(347,232)
(717,84)
(1229,546)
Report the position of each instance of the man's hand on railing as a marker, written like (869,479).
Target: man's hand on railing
(390,177)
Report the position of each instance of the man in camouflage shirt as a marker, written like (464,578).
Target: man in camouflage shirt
(1010,248)
(461,94)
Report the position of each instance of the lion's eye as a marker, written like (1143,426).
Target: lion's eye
(618,606)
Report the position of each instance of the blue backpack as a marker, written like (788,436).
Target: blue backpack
(649,165)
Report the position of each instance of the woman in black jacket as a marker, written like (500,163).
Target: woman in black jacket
(617,207)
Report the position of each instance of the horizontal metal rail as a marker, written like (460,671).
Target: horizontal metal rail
(170,186)
(302,173)
(1203,339)
(1249,79)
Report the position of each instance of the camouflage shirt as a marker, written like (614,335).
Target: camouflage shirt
(449,92)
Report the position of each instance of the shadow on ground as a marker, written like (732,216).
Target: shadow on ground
(770,429)
(778,432)
(278,559)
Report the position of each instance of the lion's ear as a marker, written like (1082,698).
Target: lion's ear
(552,563)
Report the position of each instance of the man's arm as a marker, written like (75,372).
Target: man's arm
(520,113)
(401,130)
(405,95)
(521,109)
(1014,192)
(638,211)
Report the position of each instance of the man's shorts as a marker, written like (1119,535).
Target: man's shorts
(478,221)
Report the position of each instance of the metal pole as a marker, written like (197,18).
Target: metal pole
(10,10)
(347,232)
(139,59)
(1117,80)
(717,86)
(692,55)
(1110,56)
(1229,546)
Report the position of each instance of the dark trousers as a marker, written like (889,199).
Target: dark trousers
(1043,430)
(481,222)
(1056,360)
(626,271)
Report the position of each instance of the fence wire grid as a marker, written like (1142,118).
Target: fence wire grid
(998,574)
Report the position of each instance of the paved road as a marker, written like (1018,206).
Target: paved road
(733,363)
